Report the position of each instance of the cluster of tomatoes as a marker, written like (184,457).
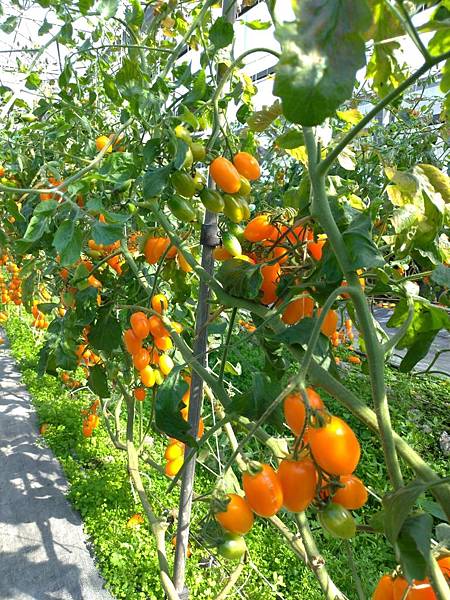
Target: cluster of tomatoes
(69,381)
(11,291)
(144,357)
(397,588)
(320,471)
(40,320)
(91,419)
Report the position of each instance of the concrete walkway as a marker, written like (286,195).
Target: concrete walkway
(43,550)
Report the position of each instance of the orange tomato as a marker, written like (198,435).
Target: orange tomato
(225,175)
(421,590)
(139,325)
(174,451)
(353,495)
(220,253)
(335,447)
(101,142)
(444,565)
(263,490)
(132,343)
(184,265)
(141,359)
(165,363)
(354,360)
(155,247)
(237,516)
(315,249)
(330,322)
(140,393)
(259,229)
(298,480)
(271,275)
(247,165)
(160,303)
(163,343)
(384,589)
(156,327)
(298,309)
(173,466)
(295,410)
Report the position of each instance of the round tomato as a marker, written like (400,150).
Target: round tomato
(173,466)
(384,589)
(297,310)
(212,200)
(353,495)
(335,447)
(165,364)
(140,393)
(160,303)
(183,184)
(233,547)
(338,521)
(247,165)
(163,343)
(236,516)
(225,175)
(262,489)
(139,325)
(259,229)
(156,327)
(147,376)
(271,276)
(220,253)
(298,480)
(295,410)
(174,451)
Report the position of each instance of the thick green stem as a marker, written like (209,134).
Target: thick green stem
(316,561)
(322,212)
(438,581)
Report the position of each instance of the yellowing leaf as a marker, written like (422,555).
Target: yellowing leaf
(135,521)
(299,154)
(356,202)
(347,159)
(352,116)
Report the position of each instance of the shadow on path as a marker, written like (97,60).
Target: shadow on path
(43,553)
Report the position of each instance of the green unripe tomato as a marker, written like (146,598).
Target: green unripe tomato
(183,184)
(236,230)
(132,208)
(231,244)
(338,521)
(199,180)
(183,134)
(212,200)
(189,159)
(181,209)
(233,208)
(233,547)
(198,151)
(245,188)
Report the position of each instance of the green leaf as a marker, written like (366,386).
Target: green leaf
(397,506)
(135,16)
(33,81)
(36,228)
(300,334)
(47,307)
(85,6)
(109,85)
(46,209)
(152,149)
(359,243)
(321,53)
(10,24)
(253,403)
(106,233)
(167,408)
(441,276)
(155,180)
(45,27)
(384,70)
(221,33)
(241,279)
(290,139)
(440,42)
(106,333)
(108,8)
(86,306)
(98,381)
(68,242)
(414,545)
(258,25)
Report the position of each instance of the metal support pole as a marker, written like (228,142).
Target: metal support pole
(209,240)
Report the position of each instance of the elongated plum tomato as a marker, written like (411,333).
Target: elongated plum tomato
(132,343)
(259,229)
(298,480)
(141,359)
(147,376)
(298,309)
(330,322)
(139,325)
(338,521)
(335,447)
(237,516)
(262,489)
(271,275)
(247,165)
(225,175)
(384,589)
(295,410)
(154,248)
(353,495)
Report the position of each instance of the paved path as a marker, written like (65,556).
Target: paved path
(440,342)
(43,551)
